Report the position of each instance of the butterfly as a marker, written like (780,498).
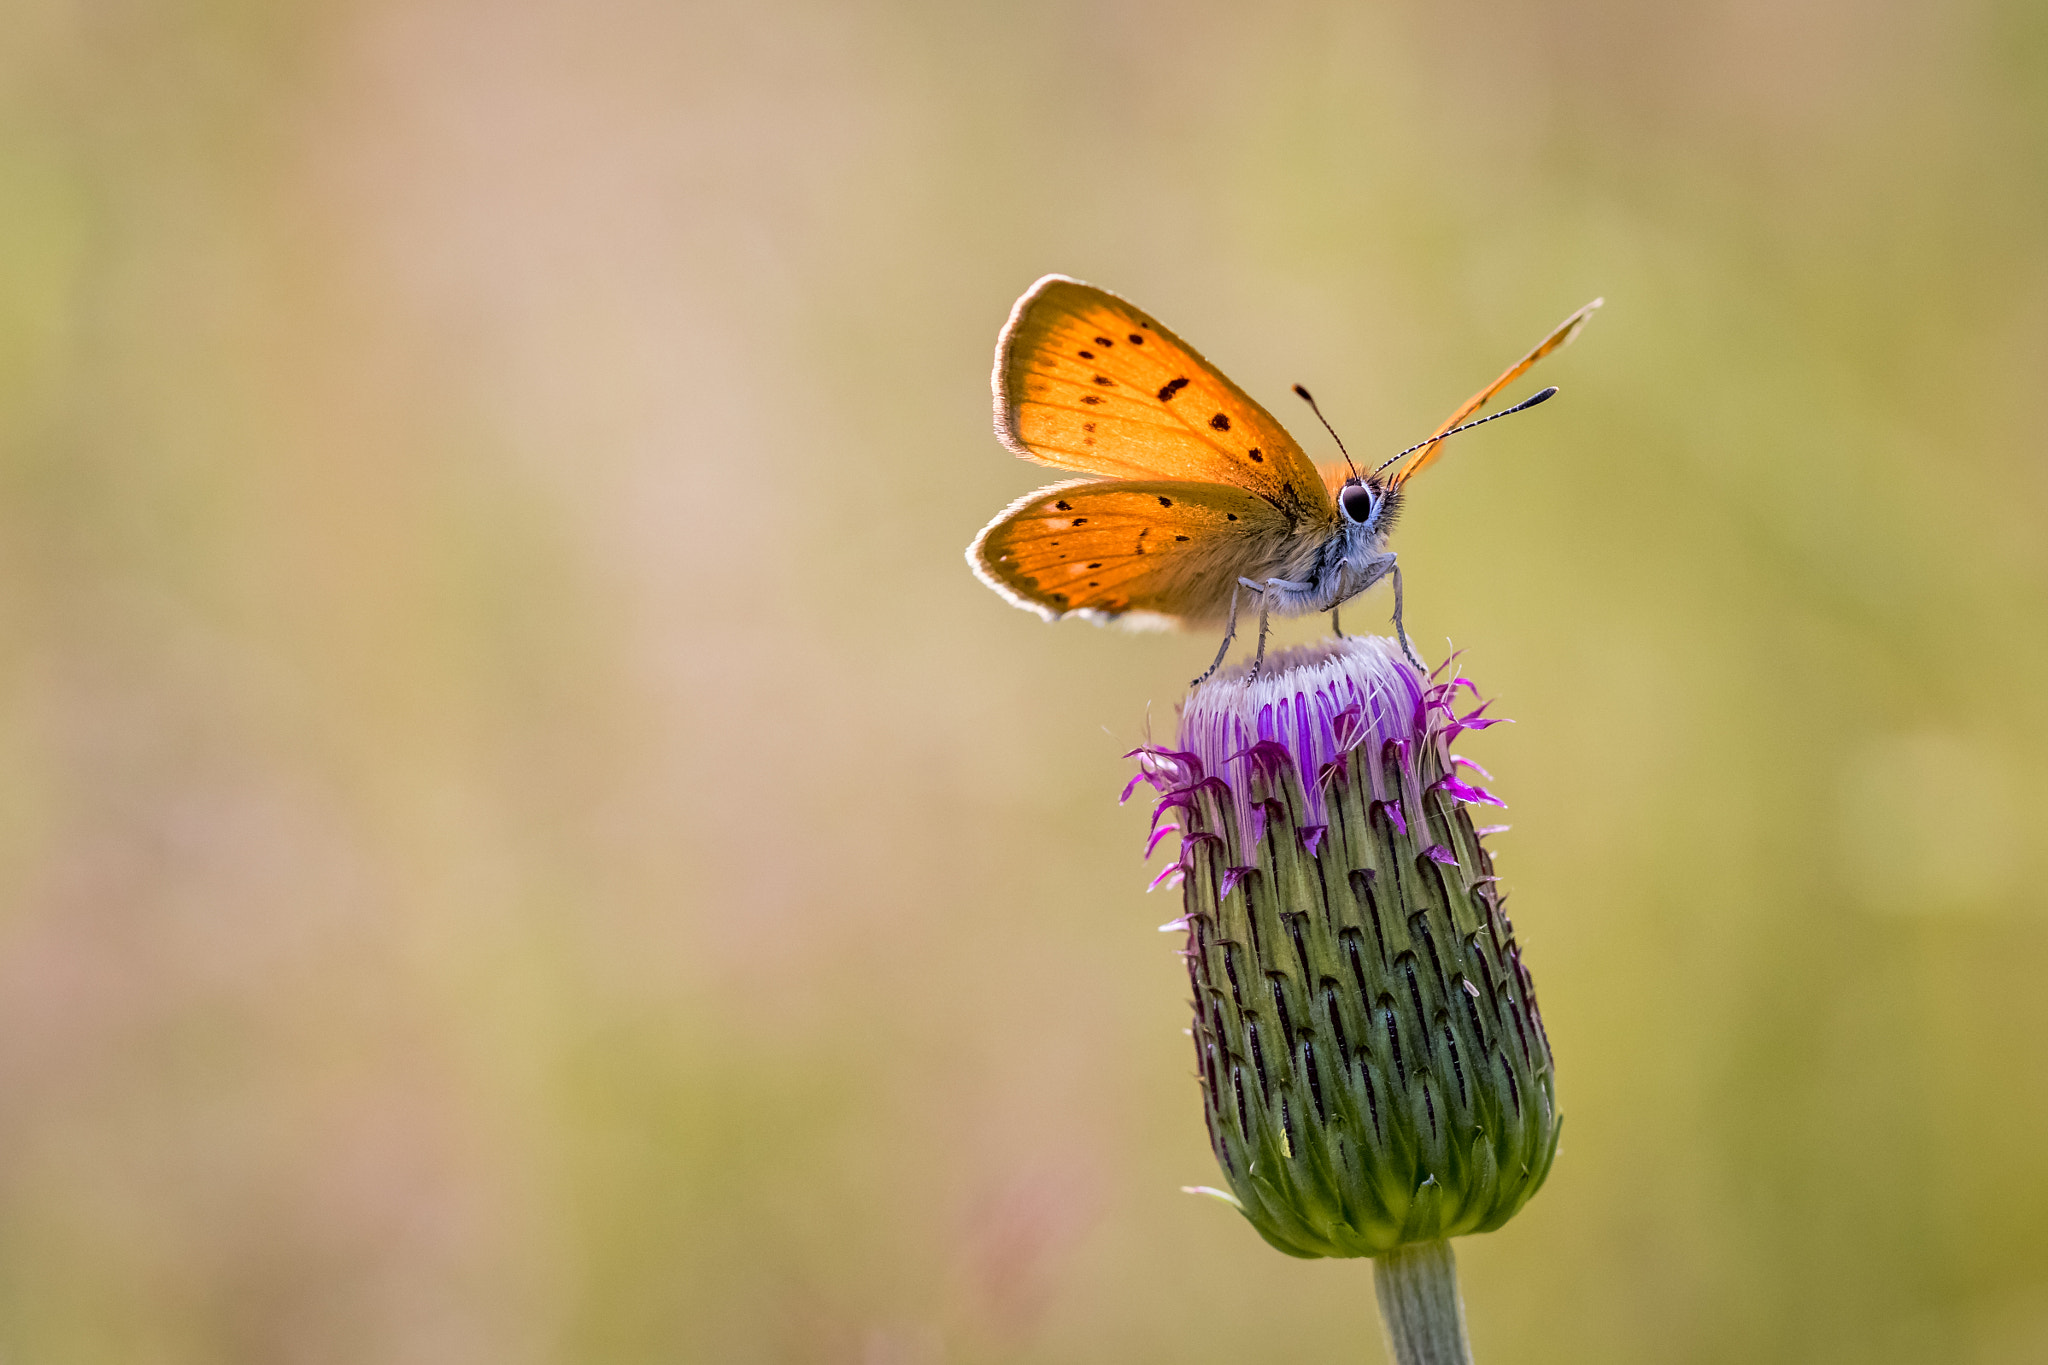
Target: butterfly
(1195,493)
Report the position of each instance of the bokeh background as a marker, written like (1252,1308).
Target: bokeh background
(521,840)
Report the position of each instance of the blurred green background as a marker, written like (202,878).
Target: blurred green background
(522,841)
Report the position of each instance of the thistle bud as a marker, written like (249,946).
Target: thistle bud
(1373,1068)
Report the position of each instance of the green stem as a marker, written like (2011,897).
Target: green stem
(1417,1286)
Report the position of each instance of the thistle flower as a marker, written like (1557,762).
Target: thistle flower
(1374,1070)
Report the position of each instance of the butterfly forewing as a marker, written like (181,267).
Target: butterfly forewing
(1562,335)
(1133,549)
(1085,381)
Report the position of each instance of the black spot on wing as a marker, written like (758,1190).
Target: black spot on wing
(1105,381)
(1231,515)
(1137,340)
(1104,342)
(1220,422)
(1180,537)
(1090,399)
(1256,457)
(1170,388)
(1165,501)
(1063,507)
(1085,355)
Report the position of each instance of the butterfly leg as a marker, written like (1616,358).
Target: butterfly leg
(1265,611)
(1259,659)
(1229,634)
(1336,626)
(1386,566)
(1401,631)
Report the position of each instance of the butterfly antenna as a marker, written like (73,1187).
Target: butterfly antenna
(1309,399)
(1531,401)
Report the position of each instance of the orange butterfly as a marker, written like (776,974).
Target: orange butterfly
(1199,493)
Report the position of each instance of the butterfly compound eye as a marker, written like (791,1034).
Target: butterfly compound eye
(1356,500)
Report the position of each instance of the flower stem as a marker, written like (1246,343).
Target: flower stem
(1417,1286)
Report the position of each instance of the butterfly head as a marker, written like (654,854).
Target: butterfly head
(1367,503)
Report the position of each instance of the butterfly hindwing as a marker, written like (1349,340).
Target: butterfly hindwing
(1087,382)
(1147,552)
